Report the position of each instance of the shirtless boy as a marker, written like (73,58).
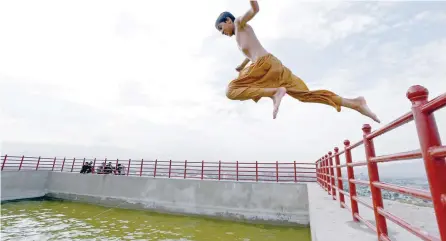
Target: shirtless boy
(267,77)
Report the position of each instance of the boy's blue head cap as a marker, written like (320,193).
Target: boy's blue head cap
(222,18)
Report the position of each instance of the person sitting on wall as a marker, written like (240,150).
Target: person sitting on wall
(90,167)
(101,168)
(108,168)
(119,169)
(86,168)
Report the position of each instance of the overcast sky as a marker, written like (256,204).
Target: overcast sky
(147,78)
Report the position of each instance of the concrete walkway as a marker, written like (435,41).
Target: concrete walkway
(329,222)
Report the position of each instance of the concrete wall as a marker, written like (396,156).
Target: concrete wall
(277,203)
(248,201)
(23,184)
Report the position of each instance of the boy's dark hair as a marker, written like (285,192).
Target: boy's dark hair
(222,18)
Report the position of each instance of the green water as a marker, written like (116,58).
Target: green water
(63,220)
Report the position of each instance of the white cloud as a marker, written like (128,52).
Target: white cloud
(149,77)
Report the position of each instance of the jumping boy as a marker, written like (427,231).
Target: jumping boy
(266,76)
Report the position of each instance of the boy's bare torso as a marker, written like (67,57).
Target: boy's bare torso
(248,43)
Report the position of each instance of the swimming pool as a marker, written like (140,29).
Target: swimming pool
(44,219)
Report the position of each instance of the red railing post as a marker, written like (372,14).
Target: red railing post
(202,169)
(116,166)
(295,171)
(94,164)
(128,168)
(351,176)
(236,168)
(339,176)
(72,165)
(429,137)
(185,168)
(140,169)
(257,171)
(327,174)
(277,171)
(324,184)
(219,169)
(154,170)
(54,164)
(21,162)
(38,162)
(332,176)
(321,172)
(63,164)
(381,224)
(327,171)
(170,167)
(4,161)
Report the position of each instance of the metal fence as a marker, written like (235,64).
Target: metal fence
(330,176)
(236,171)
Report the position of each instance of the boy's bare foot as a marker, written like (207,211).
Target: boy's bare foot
(277,98)
(364,109)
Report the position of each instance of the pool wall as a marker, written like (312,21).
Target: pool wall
(23,184)
(273,203)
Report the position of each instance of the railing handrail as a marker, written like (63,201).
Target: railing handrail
(150,160)
(239,171)
(430,150)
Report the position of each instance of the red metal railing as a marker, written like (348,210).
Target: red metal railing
(237,171)
(431,151)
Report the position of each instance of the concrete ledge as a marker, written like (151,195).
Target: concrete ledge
(330,222)
(272,203)
(23,185)
(247,216)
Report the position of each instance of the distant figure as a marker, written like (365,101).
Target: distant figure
(108,168)
(101,168)
(86,168)
(120,169)
(266,76)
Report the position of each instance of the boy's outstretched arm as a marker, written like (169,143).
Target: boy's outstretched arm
(250,13)
(242,65)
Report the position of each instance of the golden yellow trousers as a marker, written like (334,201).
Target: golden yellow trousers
(269,72)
